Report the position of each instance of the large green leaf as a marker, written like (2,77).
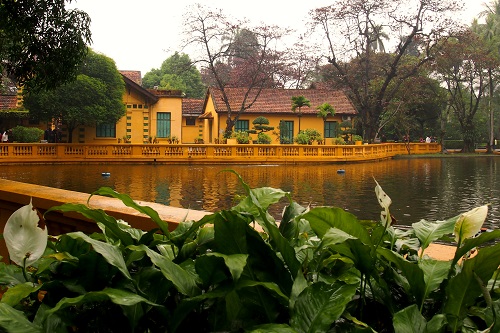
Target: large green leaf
(14,321)
(410,270)
(280,243)
(182,280)
(322,219)
(234,262)
(320,305)
(117,296)
(409,320)
(111,253)
(435,271)
(98,215)
(15,294)
(127,201)
(464,288)
(272,328)
(472,243)
(428,232)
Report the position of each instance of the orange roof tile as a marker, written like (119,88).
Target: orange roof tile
(133,75)
(280,100)
(8,102)
(192,106)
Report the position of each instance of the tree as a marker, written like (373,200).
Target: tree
(490,32)
(351,27)
(298,102)
(463,67)
(42,43)
(178,73)
(232,54)
(95,97)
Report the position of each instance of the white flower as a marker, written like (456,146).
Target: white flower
(470,223)
(23,237)
(385,201)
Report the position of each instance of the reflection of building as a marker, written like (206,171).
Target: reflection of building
(165,116)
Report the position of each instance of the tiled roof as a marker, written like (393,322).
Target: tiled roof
(192,106)
(133,75)
(280,100)
(8,102)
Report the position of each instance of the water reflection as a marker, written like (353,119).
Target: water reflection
(431,189)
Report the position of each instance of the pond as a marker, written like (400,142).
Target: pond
(421,188)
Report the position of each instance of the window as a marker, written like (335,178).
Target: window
(163,125)
(241,126)
(190,121)
(331,129)
(105,131)
(286,131)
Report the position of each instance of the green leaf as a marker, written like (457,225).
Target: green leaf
(117,296)
(463,289)
(428,232)
(112,229)
(127,201)
(436,324)
(182,280)
(270,286)
(272,328)
(320,305)
(472,243)
(322,219)
(435,271)
(111,253)
(410,270)
(15,321)
(17,293)
(409,320)
(279,242)
(235,262)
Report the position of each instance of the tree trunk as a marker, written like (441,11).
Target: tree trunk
(489,147)
(468,137)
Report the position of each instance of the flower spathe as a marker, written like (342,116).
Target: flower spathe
(470,223)
(385,201)
(25,240)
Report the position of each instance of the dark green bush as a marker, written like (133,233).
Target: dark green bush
(239,270)
(26,134)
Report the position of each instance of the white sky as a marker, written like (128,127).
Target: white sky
(140,35)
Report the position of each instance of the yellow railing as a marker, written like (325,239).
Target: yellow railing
(206,153)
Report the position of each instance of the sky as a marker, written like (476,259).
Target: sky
(140,35)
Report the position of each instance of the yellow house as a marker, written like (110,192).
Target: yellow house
(166,116)
(276,106)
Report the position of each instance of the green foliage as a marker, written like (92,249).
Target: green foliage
(261,124)
(356,137)
(263,138)
(26,134)
(242,137)
(308,136)
(338,141)
(177,73)
(239,270)
(95,97)
(42,42)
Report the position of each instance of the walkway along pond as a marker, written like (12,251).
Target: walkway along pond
(204,153)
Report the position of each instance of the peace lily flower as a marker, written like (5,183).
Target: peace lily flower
(385,201)
(25,241)
(470,223)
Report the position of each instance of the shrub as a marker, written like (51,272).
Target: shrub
(318,270)
(242,137)
(338,141)
(308,136)
(356,137)
(302,138)
(27,134)
(263,138)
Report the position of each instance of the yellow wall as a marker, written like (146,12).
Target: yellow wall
(306,122)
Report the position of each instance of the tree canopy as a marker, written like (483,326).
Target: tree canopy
(177,72)
(42,43)
(95,97)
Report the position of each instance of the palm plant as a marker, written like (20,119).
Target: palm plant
(297,103)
